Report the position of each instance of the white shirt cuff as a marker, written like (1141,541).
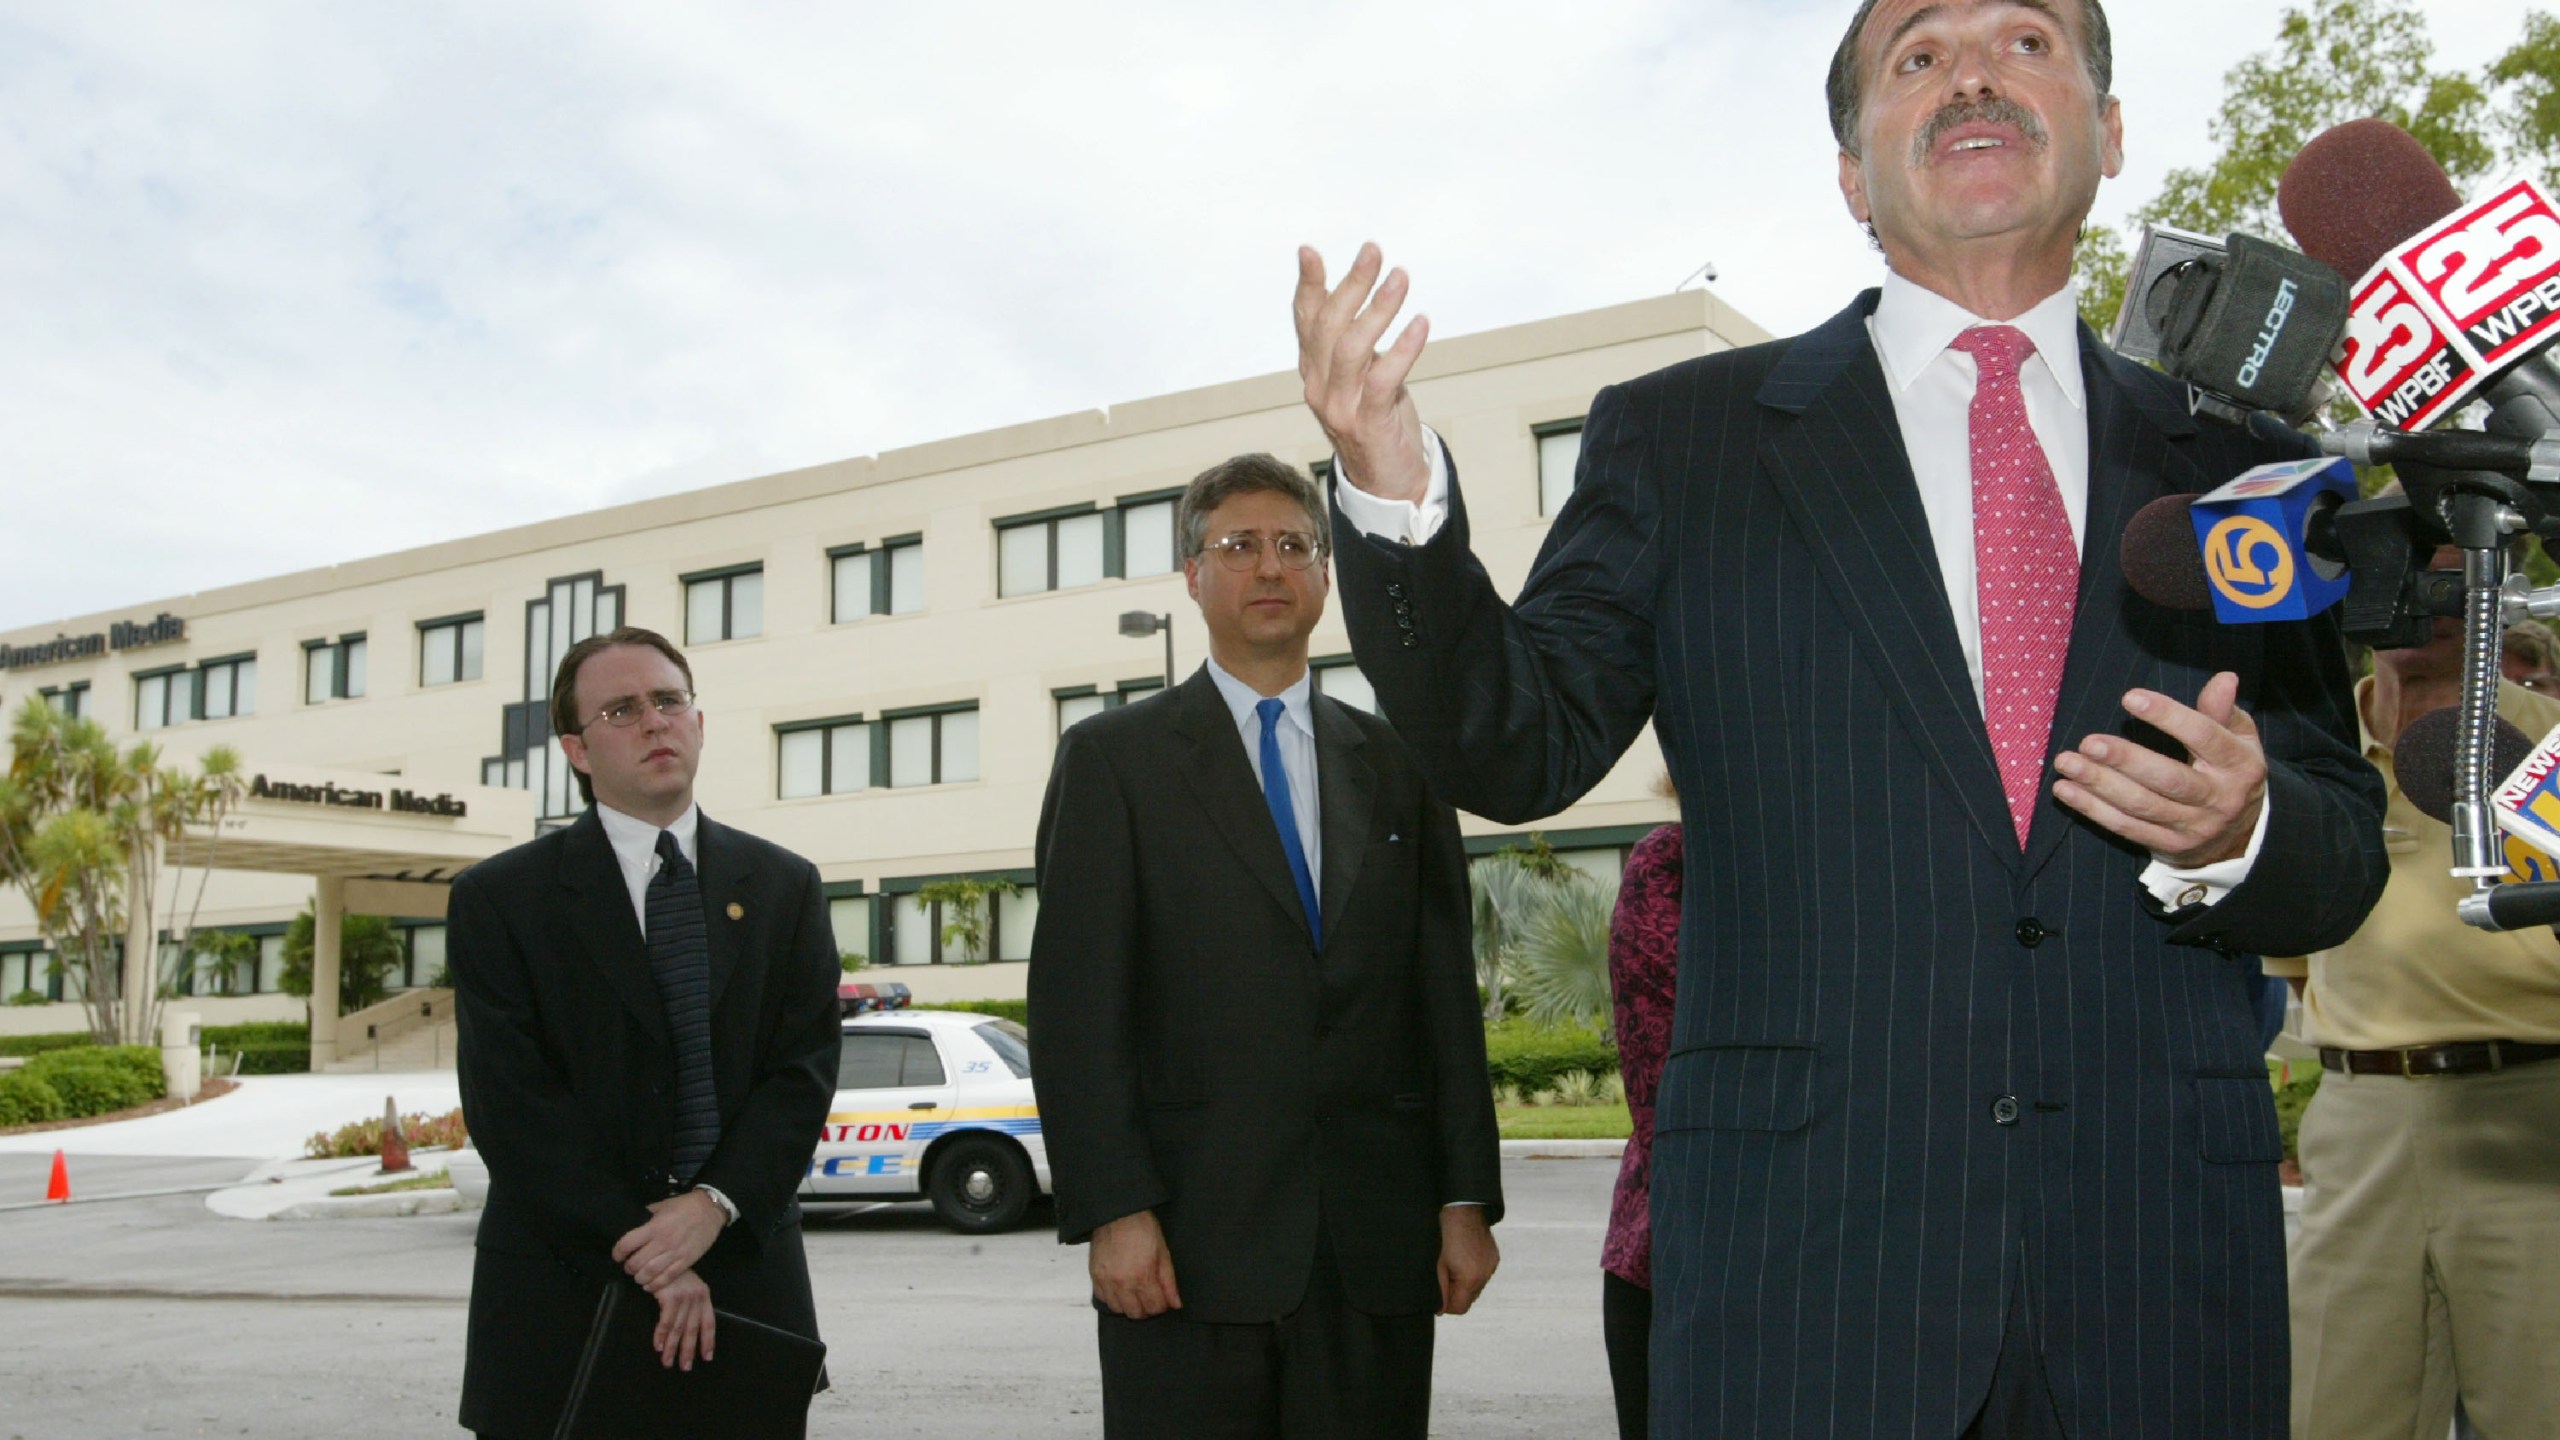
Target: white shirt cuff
(1401,521)
(727,1206)
(2177,888)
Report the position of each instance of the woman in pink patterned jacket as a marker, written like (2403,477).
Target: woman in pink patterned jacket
(1644,964)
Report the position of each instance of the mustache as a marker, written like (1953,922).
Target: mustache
(1998,110)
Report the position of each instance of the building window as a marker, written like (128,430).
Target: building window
(215,690)
(887,580)
(1036,553)
(849,916)
(1016,916)
(938,747)
(903,588)
(1146,535)
(724,605)
(1338,677)
(227,687)
(1559,450)
(71,700)
(1085,701)
(912,927)
(824,757)
(28,972)
(425,961)
(449,649)
(529,757)
(162,698)
(332,669)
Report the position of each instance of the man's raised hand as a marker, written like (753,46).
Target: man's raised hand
(2189,814)
(1356,391)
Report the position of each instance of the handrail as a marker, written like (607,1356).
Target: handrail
(390,1019)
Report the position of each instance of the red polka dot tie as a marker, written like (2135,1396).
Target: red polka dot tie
(2026,570)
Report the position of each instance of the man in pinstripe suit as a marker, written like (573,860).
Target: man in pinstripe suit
(1965,1129)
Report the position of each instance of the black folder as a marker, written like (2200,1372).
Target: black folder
(758,1388)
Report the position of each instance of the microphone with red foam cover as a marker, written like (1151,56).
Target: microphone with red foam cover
(2359,192)
(2422,759)
(2359,189)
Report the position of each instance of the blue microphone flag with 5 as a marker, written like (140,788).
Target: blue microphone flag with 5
(2252,532)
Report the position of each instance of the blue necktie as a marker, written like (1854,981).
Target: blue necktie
(1275,789)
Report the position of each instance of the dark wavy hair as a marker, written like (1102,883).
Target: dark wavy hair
(1846,88)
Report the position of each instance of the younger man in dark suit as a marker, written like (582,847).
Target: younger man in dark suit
(1261,1063)
(648,1047)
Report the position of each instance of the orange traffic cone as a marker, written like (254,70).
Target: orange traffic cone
(395,1145)
(58,1189)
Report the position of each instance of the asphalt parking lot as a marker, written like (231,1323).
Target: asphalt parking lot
(156,1317)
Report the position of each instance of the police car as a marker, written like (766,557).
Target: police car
(934,1104)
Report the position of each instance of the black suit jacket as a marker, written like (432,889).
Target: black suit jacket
(1201,1058)
(1913,1070)
(568,1083)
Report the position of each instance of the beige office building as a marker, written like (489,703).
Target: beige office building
(886,650)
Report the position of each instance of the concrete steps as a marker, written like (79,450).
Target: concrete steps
(425,1047)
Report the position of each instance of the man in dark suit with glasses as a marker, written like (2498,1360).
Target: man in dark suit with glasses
(1261,1062)
(648,1044)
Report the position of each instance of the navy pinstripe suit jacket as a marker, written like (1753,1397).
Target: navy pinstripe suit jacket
(1913,1070)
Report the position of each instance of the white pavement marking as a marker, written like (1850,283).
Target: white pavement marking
(267,1118)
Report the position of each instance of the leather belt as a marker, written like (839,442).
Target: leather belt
(2419,1062)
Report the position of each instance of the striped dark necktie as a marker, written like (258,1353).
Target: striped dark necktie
(680,958)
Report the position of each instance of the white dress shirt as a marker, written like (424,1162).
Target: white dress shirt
(635,847)
(1932,388)
(1296,732)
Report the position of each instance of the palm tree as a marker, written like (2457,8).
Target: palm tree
(82,826)
(1561,958)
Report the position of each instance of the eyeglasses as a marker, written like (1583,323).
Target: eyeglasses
(626,710)
(1243,550)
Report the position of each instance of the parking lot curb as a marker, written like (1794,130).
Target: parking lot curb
(1563,1149)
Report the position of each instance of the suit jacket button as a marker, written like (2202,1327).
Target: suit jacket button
(2004,1111)
(2031,932)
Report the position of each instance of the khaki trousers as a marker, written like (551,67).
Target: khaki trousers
(2428,1264)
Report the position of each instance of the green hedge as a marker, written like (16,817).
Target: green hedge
(27,1100)
(39,1044)
(1532,1058)
(1017,1011)
(2290,1102)
(73,1084)
(265,1047)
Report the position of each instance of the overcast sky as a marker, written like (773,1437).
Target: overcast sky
(285,285)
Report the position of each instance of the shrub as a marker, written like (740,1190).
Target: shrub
(265,1047)
(38,1044)
(100,1079)
(1532,1058)
(2291,1100)
(27,1100)
(364,1137)
(1582,1087)
(30,997)
(1017,1011)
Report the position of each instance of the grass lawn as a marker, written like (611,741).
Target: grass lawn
(436,1180)
(1562,1122)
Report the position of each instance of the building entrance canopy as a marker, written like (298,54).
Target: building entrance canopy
(373,845)
(298,821)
